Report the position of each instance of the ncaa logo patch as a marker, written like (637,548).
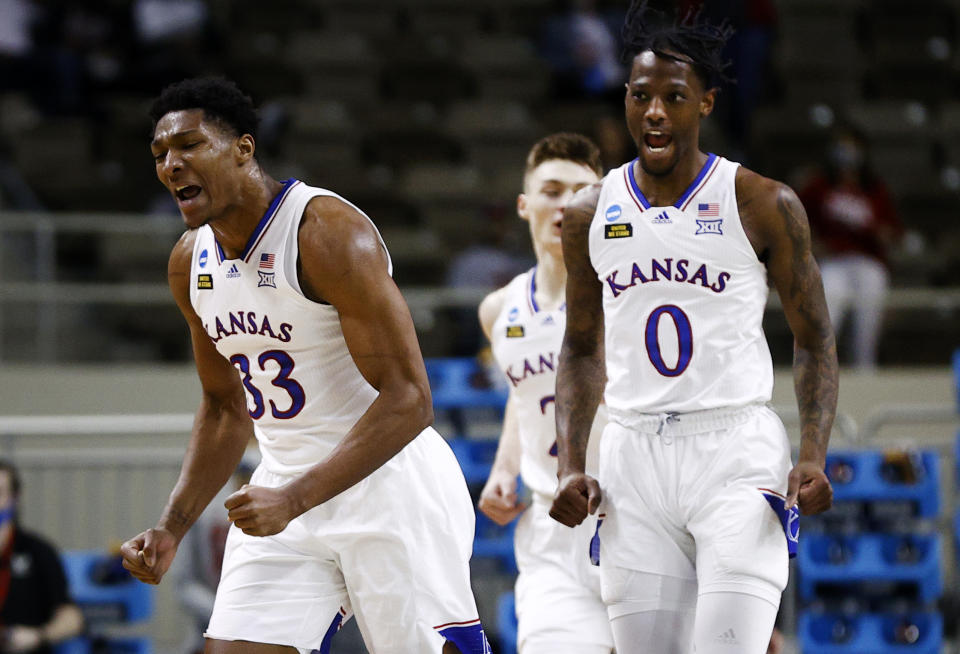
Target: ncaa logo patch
(202,259)
(514,312)
(613,212)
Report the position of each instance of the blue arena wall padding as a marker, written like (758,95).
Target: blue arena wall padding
(454,384)
(507,622)
(127,600)
(869,633)
(867,482)
(911,559)
(475,457)
(491,541)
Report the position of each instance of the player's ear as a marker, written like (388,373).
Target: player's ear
(522,206)
(245,148)
(707,102)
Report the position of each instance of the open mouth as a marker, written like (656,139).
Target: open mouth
(186,193)
(657,141)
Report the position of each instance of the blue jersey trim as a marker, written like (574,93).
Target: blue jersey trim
(711,157)
(636,187)
(533,290)
(264,221)
(328,637)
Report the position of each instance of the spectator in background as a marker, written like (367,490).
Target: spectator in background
(35,608)
(748,50)
(853,222)
(581,46)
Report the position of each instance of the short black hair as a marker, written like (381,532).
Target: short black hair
(696,41)
(220,99)
(7,466)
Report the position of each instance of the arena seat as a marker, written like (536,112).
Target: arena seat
(861,562)
(108,597)
(883,633)
(507,622)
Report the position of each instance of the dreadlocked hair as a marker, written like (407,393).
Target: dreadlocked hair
(688,39)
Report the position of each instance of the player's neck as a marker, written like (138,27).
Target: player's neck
(664,190)
(253,198)
(551,280)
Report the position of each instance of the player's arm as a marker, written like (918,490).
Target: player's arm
(778,226)
(498,499)
(581,371)
(221,430)
(343,263)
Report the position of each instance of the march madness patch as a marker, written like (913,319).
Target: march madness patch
(205,281)
(514,331)
(618,230)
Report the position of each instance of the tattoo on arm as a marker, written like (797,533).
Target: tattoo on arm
(581,373)
(815,353)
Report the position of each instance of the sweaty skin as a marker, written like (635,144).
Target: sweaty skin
(664,103)
(342,263)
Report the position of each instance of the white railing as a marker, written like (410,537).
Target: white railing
(50,296)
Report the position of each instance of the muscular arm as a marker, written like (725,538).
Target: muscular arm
(777,225)
(221,430)
(498,499)
(222,426)
(581,371)
(343,263)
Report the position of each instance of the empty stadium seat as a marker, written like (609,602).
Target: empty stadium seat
(831,633)
(861,562)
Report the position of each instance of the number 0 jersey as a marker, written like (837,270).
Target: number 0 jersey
(683,296)
(526,344)
(304,391)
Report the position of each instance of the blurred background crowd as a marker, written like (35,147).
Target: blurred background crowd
(421,112)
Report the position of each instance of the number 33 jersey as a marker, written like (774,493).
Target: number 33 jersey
(304,392)
(683,296)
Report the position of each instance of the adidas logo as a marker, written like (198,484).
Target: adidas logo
(662,218)
(548,320)
(233,272)
(727,638)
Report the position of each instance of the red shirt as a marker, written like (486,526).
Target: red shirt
(851,219)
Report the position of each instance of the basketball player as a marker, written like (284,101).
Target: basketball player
(358,505)
(559,609)
(668,261)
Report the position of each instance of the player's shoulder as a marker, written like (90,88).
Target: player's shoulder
(182,253)
(759,197)
(490,308)
(492,305)
(584,202)
(334,230)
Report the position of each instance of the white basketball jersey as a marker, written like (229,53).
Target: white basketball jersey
(526,343)
(683,296)
(304,391)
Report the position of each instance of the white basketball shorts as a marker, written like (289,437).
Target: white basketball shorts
(686,495)
(558,589)
(393,550)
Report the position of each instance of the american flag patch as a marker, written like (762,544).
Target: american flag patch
(266,261)
(708,209)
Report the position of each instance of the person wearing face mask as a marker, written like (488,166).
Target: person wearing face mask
(35,608)
(854,223)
